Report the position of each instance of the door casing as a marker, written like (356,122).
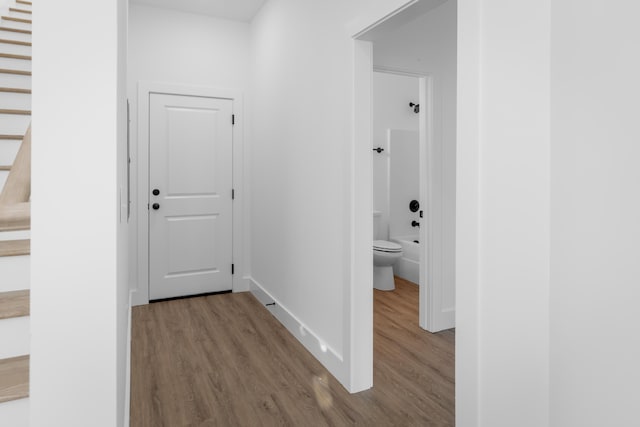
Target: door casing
(240,282)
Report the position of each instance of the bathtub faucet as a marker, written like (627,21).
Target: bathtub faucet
(415,224)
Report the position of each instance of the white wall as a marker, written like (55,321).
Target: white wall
(78,292)
(177,47)
(427,45)
(169,46)
(595,214)
(301,163)
(391,96)
(300,139)
(502,338)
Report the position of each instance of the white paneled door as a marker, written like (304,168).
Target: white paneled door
(190,195)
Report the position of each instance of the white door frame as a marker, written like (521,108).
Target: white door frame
(145,89)
(429,280)
(359,295)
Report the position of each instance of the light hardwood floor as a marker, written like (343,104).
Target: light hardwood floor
(225,361)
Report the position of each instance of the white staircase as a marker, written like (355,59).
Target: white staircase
(15,118)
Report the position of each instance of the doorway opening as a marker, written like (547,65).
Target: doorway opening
(419,41)
(402,124)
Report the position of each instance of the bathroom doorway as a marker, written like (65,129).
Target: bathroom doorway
(418,39)
(419,44)
(399,184)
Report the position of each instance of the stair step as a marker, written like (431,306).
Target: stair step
(14,49)
(18,42)
(14,19)
(15,101)
(14,124)
(16,112)
(19,81)
(13,9)
(10,137)
(13,90)
(24,2)
(7,35)
(14,56)
(14,304)
(14,378)
(15,336)
(19,269)
(15,30)
(15,219)
(15,248)
(15,64)
(18,72)
(15,24)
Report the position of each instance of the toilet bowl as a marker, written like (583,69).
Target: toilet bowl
(385,254)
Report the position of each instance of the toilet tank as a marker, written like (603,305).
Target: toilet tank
(377,225)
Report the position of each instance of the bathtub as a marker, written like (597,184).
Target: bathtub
(408,267)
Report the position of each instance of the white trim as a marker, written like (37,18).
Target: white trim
(398,71)
(431,313)
(127,387)
(427,185)
(468,213)
(313,342)
(141,294)
(373,18)
(358,296)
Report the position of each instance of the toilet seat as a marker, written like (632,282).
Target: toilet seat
(384,246)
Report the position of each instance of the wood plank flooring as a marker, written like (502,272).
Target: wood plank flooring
(225,361)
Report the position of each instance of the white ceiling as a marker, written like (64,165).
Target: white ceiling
(239,10)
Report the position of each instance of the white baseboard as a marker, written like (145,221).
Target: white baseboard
(127,386)
(447,319)
(407,269)
(15,413)
(242,285)
(138,298)
(331,359)
(14,337)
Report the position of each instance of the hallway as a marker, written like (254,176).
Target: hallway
(223,360)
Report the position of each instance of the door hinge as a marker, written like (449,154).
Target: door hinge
(233,268)
(233,119)
(233,194)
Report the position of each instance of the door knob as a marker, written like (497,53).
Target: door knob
(156,192)
(156,206)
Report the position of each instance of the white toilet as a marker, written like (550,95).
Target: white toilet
(385,254)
